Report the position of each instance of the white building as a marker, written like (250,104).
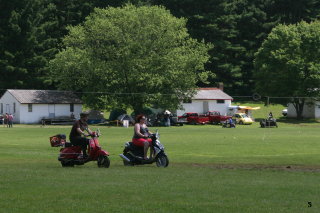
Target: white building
(207,99)
(311,109)
(30,106)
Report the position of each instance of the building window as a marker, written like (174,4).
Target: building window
(14,107)
(71,107)
(29,107)
(1,110)
(220,101)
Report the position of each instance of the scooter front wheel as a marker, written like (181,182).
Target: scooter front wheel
(162,161)
(103,161)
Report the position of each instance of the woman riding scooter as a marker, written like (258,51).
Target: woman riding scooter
(141,136)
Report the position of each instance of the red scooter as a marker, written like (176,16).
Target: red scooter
(71,155)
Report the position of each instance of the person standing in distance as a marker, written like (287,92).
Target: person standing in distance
(10,120)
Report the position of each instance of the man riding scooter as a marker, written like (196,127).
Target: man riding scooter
(78,136)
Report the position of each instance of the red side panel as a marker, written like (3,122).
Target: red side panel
(70,152)
(103,152)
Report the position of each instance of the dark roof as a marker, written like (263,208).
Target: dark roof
(211,94)
(45,96)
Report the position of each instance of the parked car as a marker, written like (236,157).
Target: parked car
(95,117)
(285,112)
(175,121)
(242,118)
(159,120)
(193,118)
(216,118)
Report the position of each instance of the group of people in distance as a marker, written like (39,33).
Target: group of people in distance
(80,131)
(7,120)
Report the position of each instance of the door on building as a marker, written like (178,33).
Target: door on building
(8,108)
(205,106)
(51,108)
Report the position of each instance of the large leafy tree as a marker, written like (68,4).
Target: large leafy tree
(129,53)
(288,63)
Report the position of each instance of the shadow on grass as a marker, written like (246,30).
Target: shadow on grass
(292,120)
(296,121)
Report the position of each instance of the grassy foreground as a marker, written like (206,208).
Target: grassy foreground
(212,169)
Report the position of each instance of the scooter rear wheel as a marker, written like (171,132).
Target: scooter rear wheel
(126,163)
(67,163)
(103,161)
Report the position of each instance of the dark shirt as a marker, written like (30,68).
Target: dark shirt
(78,124)
(144,131)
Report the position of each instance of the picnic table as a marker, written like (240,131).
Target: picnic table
(58,121)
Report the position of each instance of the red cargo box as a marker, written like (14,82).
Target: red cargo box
(57,140)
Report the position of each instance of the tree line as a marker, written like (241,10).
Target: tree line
(31,34)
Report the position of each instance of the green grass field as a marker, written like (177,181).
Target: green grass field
(212,169)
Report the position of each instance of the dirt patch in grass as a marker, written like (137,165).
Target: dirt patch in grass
(293,168)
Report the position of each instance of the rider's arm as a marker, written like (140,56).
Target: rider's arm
(81,132)
(137,131)
(89,131)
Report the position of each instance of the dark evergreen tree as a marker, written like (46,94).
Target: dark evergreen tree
(21,41)
(293,11)
(30,35)
(235,28)
(31,32)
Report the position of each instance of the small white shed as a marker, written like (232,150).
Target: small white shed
(311,109)
(207,99)
(30,106)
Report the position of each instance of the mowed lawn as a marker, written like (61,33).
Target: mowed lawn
(212,169)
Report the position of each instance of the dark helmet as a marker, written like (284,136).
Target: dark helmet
(84,114)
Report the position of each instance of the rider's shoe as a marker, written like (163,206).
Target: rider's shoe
(147,160)
(83,157)
(140,158)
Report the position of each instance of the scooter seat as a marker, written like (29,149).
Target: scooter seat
(68,144)
(129,145)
